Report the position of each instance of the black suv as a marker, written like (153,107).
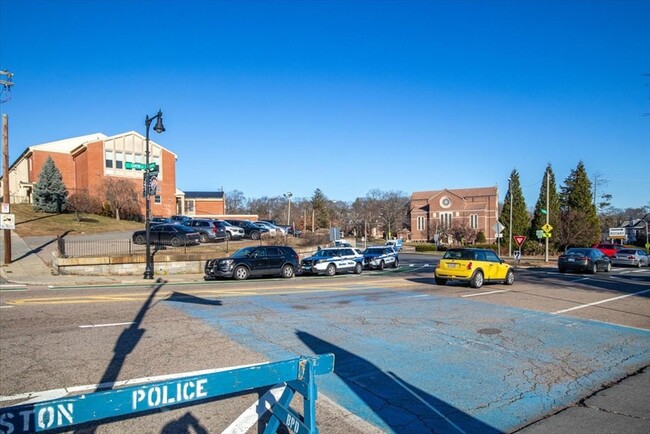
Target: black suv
(254,261)
(251,230)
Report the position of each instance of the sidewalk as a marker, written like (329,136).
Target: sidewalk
(621,407)
(28,267)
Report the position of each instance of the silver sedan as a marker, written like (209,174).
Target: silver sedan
(634,257)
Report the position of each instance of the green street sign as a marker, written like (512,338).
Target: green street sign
(543,211)
(140,166)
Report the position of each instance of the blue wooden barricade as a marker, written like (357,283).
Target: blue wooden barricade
(298,374)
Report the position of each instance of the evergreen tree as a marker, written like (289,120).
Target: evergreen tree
(319,205)
(539,217)
(520,219)
(579,222)
(50,192)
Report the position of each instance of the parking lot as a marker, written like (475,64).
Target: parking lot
(410,355)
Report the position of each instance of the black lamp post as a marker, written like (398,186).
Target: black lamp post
(159,128)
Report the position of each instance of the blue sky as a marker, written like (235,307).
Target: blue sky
(270,97)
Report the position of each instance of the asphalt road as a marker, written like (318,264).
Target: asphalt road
(411,356)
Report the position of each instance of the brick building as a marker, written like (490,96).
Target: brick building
(433,212)
(85,161)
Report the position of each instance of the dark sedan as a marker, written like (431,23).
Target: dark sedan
(584,259)
(169,234)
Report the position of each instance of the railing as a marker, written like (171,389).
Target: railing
(68,248)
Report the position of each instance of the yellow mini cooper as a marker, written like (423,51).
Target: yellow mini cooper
(476,266)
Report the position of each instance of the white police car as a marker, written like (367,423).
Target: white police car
(379,257)
(332,260)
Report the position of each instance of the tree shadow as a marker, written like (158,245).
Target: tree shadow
(400,405)
(189,298)
(39,249)
(626,283)
(39,218)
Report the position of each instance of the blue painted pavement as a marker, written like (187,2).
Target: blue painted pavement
(409,362)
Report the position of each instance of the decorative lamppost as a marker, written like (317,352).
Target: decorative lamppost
(159,128)
(288,196)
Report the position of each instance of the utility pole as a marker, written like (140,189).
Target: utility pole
(6,86)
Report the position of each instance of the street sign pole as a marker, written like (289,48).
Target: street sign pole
(547,213)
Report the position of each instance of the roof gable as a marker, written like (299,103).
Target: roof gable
(66,146)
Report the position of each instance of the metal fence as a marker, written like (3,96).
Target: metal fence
(125,247)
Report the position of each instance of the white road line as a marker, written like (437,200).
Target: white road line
(251,415)
(485,293)
(6,307)
(599,302)
(105,325)
(425,403)
(47,394)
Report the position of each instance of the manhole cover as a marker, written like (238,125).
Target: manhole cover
(489,331)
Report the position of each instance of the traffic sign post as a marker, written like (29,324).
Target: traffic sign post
(519,239)
(498,228)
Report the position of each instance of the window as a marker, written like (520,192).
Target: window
(445,219)
(119,160)
(492,257)
(445,202)
(421,223)
(189,206)
(473,221)
(157,199)
(109,159)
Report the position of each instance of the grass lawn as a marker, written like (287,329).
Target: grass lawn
(32,223)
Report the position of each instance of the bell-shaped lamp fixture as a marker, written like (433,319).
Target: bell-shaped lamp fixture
(159,128)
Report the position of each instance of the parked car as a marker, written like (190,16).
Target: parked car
(250,230)
(476,266)
(274,231)
(159,220)
(165,233)
(255,261)
(209,230)
(232,232)
(586,259)
(608,249)
(180,219)
(342,243)
(634,257)
(333,260)
(379,257)
(395,244)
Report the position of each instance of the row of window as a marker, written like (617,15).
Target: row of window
(445,221)
(115,159)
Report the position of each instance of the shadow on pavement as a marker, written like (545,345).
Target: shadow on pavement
(400,405)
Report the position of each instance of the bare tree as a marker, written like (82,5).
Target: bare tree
(120,194)
(393,207)
(84,203)
(462,233)
(236,202)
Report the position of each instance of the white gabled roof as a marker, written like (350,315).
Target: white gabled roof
(67,145)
